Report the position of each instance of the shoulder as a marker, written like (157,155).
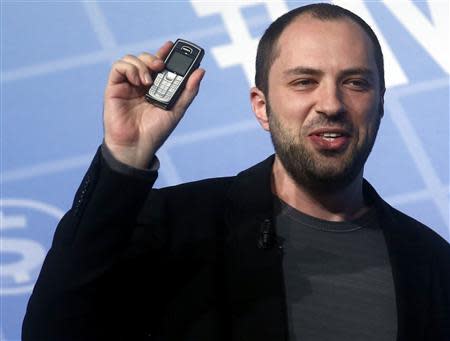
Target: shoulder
(248,180)
(400,224)
(191,199)
(426,239)
(189,192)
(415,230)
(407,231)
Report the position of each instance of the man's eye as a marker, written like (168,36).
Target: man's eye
(361,84)
(302,83)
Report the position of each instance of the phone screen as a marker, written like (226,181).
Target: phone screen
(179,63)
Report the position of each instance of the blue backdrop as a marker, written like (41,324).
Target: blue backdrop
(56,57)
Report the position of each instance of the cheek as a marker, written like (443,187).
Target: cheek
(365,111)
(286,132)
(290,107)
(368,127)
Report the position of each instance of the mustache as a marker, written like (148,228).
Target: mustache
(337,122)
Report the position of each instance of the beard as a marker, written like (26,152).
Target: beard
(321,171)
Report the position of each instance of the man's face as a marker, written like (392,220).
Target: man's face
(324,102)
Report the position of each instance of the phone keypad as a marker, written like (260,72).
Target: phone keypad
(165,85)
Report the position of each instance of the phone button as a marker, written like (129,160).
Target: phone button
(158,79)
(170,76)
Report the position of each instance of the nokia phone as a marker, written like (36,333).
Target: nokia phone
(182,60)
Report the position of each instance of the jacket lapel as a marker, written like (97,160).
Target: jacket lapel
(410,262)
(255,279)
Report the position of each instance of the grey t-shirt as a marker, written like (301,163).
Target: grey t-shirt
(338,278)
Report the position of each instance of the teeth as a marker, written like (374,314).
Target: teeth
(330,135)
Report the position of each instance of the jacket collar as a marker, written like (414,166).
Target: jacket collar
(255,278)
(251,192)
(410,260)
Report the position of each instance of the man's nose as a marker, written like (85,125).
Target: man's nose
(329,100)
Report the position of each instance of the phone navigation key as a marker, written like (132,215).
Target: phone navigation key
(170,76)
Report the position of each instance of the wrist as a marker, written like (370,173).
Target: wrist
(130,156)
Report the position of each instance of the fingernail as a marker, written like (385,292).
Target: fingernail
(147,78)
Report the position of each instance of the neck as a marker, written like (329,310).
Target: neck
(340,205)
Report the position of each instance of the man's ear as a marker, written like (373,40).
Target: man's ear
(382,102)
(258,100)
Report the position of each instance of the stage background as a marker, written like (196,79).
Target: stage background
(55,61)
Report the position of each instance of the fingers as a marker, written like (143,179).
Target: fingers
(137,70)
(152,62)
(142,69)
(124,72)
(134,70)
(156,62)
(164,50)
(190,91)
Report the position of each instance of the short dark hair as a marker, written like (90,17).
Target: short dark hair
(267,47)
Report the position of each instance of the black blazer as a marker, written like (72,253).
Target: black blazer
(186,263)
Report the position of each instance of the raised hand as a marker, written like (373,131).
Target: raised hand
(134,128)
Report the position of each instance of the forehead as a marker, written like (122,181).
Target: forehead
(324,44)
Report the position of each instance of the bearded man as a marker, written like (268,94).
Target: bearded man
(298,247)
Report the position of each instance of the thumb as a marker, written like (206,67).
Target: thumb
(190,91)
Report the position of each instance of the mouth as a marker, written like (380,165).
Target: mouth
(330,138)
(330,131)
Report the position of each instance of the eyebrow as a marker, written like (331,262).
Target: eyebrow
(301,70)
(358,71)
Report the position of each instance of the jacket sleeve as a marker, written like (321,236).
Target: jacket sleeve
(439,328)
(89,284)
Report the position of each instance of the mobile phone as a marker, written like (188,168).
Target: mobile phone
(182,60)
